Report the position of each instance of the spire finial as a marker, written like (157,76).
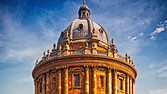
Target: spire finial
(44,54)
(84,2)
(54,46)
(37,61)
(112,41)
(48,51)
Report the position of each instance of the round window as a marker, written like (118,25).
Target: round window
(80,26)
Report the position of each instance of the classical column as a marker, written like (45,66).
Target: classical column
(59,81)
(114,81)
(94,81)
(87,80)
(130,85)
(66,81)
(133,86)
(36,87)
(127,84)
(48,83)
(108,81)
(43,85)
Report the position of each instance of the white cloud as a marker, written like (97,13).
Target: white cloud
(152,37)
(128,37)
(133,38)
(26,79)
(141,34)
(158,30)
(161,28)
(160,91)
(151,65)
(162,69)
(164,74)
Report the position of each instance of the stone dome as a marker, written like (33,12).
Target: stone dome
(84,28)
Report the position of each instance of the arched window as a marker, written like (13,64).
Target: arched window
(83,14)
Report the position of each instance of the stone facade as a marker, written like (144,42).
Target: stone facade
(87,65)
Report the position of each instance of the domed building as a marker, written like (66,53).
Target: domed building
(84,62)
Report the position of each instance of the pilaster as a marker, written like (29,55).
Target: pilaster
(130,85)
(36,87)
(43,84)
(59,81)
(114,81)
(66,80)
(48,83)
(87,80)
(94,80)
(133,86)
(108,81)
(127,84)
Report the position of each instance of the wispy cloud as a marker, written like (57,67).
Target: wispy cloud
(160,91)
(159,69)
(18,42)
(160,28)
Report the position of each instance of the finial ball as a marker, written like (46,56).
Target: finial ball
(54,46)
(84,2)
(112,41)
(48,51)
(44,54)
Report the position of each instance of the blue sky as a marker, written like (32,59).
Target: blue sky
(30,27)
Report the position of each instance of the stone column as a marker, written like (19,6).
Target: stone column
(87,80)
(59,81)
(127,84)
(108,81)
(94,81)
(130,85)
(48,83)
(66,81)
(133,86)
(114,81)
(36,87)
(43,85)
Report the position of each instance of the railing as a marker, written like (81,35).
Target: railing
(81,52)
(121,57)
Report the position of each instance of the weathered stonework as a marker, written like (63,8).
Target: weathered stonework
(84,62)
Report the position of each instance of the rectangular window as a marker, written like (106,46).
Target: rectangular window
(41,87)
(101,81)
(120,84)
(76,80)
